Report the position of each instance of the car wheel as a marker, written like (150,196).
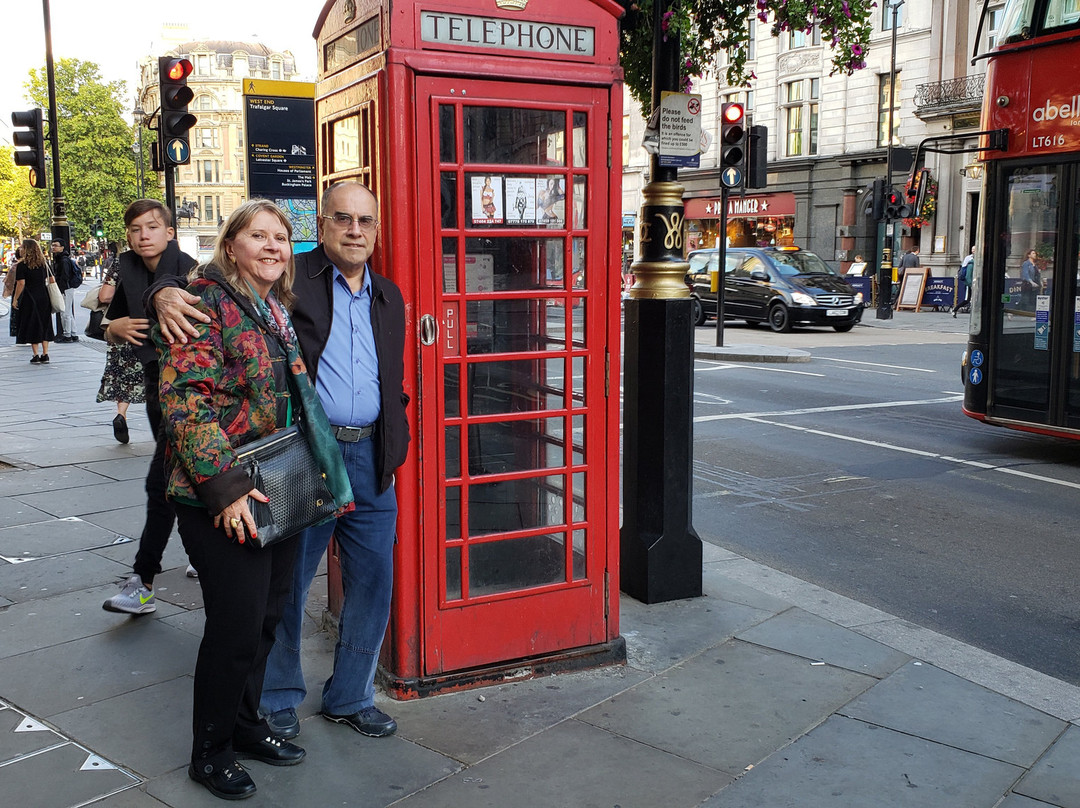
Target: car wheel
(697,312)
(779,321)
(843,329)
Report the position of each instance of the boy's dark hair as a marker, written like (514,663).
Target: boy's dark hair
(141,206)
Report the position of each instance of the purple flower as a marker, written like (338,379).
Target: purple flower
(857,50)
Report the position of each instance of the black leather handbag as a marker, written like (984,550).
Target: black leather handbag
(282,466)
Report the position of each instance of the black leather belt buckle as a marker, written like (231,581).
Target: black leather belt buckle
(352,434)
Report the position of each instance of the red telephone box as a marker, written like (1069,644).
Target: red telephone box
(491,132)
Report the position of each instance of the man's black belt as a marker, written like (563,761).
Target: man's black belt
(352,434)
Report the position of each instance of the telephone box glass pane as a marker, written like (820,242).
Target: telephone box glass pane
(453,573)
(579,439)
(453,451)
(578,377)
(511,564)
(448,198)
(505,447)
(449,258)
(453,512)
(497,507)
(577,255)
(511,136)
(515,385)
(579,203)
(345,142)
(513,264)
(447,135)
(581,120)
(579,555)
(451,388)
(502,326)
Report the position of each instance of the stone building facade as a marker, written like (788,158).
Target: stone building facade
(827,139)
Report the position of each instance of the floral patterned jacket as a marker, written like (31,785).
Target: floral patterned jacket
(218,392)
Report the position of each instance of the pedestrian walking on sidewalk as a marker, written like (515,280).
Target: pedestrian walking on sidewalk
(351,326)
(122,380)
(153,254)
(964,276)
(68,277)
(31,302)
(238,379)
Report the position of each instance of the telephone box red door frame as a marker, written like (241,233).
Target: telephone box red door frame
(508,527)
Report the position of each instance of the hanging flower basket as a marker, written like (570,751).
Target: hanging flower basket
(929,205)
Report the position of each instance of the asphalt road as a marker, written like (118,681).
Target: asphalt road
(858,471)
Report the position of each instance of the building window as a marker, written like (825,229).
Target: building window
(275,69)
(208,209)
(993,23)
(800,104)
(208,170)
(887,16)
(799,39)
(204,102)
(884,106)
(751,44)
(206,138)
(202,64)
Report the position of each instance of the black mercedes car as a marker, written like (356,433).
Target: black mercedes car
(781,286)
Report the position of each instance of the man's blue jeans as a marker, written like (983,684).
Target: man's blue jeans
(365,538)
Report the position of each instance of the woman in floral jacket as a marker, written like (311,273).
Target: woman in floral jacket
(242,378)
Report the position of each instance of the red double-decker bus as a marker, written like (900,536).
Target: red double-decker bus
(1022,365)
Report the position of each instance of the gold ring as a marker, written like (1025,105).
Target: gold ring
(234,522)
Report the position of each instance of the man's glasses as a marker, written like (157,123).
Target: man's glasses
(345,221)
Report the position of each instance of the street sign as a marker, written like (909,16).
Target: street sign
(680,130)
(731,178)
(178,150)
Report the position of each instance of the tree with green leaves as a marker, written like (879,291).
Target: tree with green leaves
(97,161)
(17,210)
(708,27)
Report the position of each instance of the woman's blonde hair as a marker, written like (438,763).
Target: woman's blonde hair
(32,255)
(234,225)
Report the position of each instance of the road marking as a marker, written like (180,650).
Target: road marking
(917,452)
(756,367)
(837,408)
(874,364)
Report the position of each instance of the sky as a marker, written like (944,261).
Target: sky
(106,32)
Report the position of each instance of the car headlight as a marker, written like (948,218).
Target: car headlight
(858,298)
(803,299)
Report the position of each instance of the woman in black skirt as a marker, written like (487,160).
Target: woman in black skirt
(31,300)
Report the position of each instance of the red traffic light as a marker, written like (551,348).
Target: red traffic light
(894,198)
(178,69)
(732,113)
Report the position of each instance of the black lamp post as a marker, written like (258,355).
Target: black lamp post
(660,553)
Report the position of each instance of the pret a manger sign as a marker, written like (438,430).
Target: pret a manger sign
(463,30)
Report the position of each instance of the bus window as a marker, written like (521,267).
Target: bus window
(1061,13)
(1016,25)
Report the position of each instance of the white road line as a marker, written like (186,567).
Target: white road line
(874,364)
(919,453)
(758,367)
(837,408)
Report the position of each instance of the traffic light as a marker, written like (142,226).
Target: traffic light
(757,174)
(175,120)
(99,228)
(917,188)
(732,142)
(33,136)
(875,204)
(895,206)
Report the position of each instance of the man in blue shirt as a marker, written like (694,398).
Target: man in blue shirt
(351,326)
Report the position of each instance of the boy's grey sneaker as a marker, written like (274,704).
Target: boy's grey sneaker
(133,598)
(191,572)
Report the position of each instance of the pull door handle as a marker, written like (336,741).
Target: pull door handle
(429,330)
